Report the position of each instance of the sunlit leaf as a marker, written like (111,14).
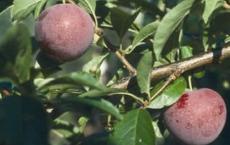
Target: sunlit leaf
(135,129)
(186,51)
(101,104)
(89,5)
(93,65)
(169,23)
(77,78)
(144,69)
(170,95)
(210,7)
(21,8)
(144,33)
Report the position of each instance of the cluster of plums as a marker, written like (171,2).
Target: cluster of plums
(65,31)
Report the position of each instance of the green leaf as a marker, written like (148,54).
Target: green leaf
(89,5)
(67,119)
(144,69)
(65,132)
(39,7)
(101,104)
(135,129)
(21,8)
(186,51)
(51,2)
(169,23)
(210,7)
(76,78)
(5,21)
(159,136)
(170,95)
(16,54)
(122,19)
(99,93)
(93,65)
(57,138)
(144,33)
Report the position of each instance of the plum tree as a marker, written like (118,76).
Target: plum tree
(64,32)
(197,118)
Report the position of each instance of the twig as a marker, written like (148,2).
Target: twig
(185,65)
(171,78)
(226,5)
(71,1)
(130,68)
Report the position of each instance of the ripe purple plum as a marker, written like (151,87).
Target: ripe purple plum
(64,32)
(197,118)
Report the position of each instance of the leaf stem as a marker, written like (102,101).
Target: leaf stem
(142,102)
(64,1)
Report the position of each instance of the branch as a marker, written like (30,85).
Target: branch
(184,65)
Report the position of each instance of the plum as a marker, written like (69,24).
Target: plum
(64,32)
(197,118)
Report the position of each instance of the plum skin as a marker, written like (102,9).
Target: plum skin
(64,32)
(197,118)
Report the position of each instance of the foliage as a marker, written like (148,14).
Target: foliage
(85,101)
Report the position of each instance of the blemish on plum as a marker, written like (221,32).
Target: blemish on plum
(182,101)
(221,109)
(171,114)
(177,121)
(200,123)
(206,133)
(188,125)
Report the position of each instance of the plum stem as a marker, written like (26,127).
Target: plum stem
(64,1)
(190,82)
